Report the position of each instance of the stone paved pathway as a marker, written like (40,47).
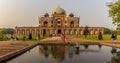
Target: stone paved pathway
(9,48)
(74,40)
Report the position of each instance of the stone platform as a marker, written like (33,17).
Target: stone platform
(72,40)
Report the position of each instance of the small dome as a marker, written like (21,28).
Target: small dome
(46,15)
(71,15)
(58,10)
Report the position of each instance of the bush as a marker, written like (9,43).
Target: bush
(100,36)
(30,36)
(24,38)
(3,38)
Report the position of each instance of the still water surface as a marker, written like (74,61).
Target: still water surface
(69,54)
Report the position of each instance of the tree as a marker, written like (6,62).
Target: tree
(7,31)
(86,31)
(107,31)
(114,32)
(30,36)
(118,30)
(114,11)
(100,36)
(24,38)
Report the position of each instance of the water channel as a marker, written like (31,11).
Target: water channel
(69,54)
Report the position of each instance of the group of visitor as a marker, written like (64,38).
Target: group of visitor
(63,38)
(113,37)
(13,37)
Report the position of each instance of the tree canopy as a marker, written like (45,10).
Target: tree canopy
(107,31)
(114,12)
(7,31)
(30,36)
(86,31)
(100,37)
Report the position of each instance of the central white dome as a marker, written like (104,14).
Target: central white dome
(58,10)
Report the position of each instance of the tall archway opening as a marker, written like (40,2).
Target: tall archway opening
(59,31)
(44,32)
(71,24)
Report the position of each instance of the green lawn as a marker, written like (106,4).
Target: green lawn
(33,38)
(7,37)
(105,37)
(4,37)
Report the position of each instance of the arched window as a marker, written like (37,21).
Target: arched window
(58,22)
(23,32)
(37,31)
(71,24)
(45,24)
(33,32)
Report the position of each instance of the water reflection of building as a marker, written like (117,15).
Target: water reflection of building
(60,52)
(56,24)
(57,52)
(44,50)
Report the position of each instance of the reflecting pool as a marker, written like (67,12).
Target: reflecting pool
(69,54)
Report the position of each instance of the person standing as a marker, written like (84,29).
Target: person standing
(63,38)
(12,37)
(113,36)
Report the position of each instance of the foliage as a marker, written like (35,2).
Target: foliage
(7,31)
(27,38)
(86,31)
(94,37)
(88,37)
(114,11)
(114,32)
(24,38)
(7,37)
(30,36)
(107,31)
(118,30)
(4,37)
(100,36)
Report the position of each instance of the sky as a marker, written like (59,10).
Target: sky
(93,13)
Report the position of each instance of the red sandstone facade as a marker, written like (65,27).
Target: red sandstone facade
(56,24)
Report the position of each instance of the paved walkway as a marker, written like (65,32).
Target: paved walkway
(9,49)
(73,40)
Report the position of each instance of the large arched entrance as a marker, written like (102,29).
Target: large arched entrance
(71,24)
(45,23)
(44,32)
(59,31)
